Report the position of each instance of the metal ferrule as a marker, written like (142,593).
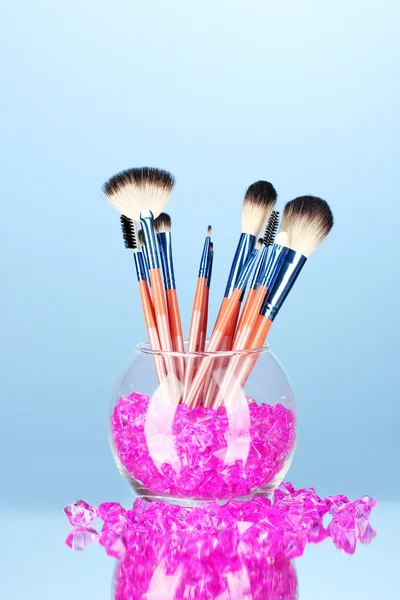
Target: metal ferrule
(165,246)
(146,220)
(245,246)
(204,257)
(259,272)
(286,275)
(146,262)
(140,266)
(209,267)
(273,263)
(252,262)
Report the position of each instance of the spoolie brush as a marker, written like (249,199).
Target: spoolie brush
(257,289)
(306,222)
(130,235)
(162,226)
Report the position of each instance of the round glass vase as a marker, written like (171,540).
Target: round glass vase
(194,427)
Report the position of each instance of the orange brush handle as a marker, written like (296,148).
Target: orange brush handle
(243,336)
(151,327)
(196,325)
(203,332)
(226,313)
(174,317)
(240,367)
(160,309)
(250,295)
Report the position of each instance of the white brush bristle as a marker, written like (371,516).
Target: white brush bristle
(307,220)
(137,190)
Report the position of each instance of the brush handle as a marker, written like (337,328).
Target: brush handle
(203,330)
(160,309)
(174,317)
(211,390)
(214,345)
(175,325)
(241,366)
(243,316)
(249,320)
(196,325)
(151,327)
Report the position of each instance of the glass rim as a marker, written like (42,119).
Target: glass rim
(144,348)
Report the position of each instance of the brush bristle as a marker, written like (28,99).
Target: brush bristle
(307,220)
(271,228)
(141,237)
(257,205)
(136,190)
(209,229)
(129,233)
(163,223)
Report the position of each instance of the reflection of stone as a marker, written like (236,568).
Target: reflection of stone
(202,453)
(201,566)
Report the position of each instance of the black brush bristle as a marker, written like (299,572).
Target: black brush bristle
(140,176)
(261,192)
(162,223)
(271,228)
(129,234)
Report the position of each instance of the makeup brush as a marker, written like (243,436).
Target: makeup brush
(258,203)
(141,194)
(130,235)
(162,226)
(219,332)
(198,311)
(306,222)
(203,332)
(258,288)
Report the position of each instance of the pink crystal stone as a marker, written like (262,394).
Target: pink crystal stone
(81,514)
(193,460)
(80,537)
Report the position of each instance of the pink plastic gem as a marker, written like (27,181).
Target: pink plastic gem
(81,537)
(81,514)
(202,457)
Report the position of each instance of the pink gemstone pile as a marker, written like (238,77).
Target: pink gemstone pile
(199,439)
(286,525)
(201,566)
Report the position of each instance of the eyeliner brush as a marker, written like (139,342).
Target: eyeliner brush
(198,312)
(203,331)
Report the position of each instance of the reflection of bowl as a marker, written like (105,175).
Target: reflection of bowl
(239,445)
(201,567)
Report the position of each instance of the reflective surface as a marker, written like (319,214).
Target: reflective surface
(37,565)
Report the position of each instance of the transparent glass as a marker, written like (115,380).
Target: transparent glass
(187,428)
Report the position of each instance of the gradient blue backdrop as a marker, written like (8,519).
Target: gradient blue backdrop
(304,94)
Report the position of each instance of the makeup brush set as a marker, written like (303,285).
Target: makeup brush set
(268,266)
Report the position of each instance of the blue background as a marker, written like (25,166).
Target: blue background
(223,93)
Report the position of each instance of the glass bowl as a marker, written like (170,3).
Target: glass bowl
(232,439)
